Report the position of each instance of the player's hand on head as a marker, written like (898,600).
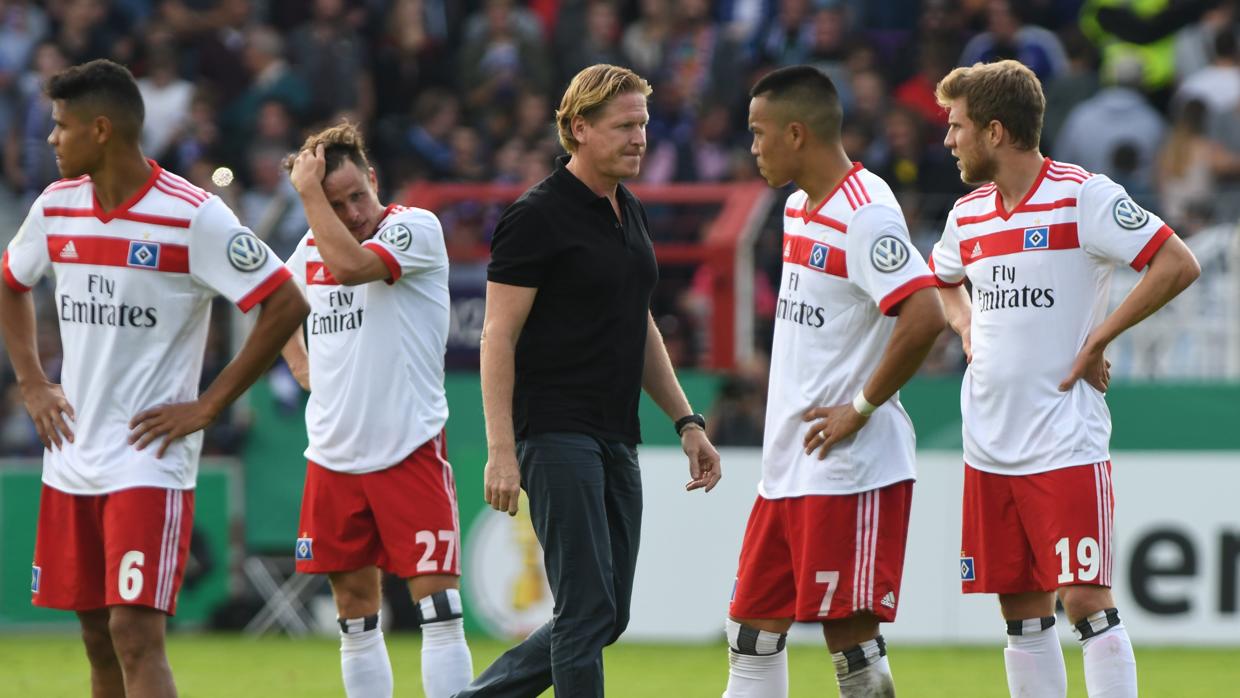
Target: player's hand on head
(830,425)
(705,469)
(171,421)
(309,168)
(50,411)
(501,482)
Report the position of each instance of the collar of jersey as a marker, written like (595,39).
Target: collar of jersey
(107,216)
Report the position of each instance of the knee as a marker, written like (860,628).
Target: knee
(98,642)
(1080,602)
(356,597)
(132,639)
(619,626)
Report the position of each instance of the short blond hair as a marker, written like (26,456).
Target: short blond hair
(590,91)
(1004,91)
(341,142)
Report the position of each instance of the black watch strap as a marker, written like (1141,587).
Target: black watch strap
(690,419)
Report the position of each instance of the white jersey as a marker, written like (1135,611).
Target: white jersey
(133,293)
(377,349)
(847,265)
(1040,276)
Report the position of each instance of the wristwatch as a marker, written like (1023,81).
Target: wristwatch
(690,419)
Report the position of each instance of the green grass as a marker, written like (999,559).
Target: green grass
(230,665)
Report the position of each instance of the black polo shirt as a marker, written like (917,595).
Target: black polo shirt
(581,352)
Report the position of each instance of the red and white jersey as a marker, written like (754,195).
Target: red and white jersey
(847,265)
(377,349)
(133,293)
(1041,274)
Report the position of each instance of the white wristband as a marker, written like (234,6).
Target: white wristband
(862,405)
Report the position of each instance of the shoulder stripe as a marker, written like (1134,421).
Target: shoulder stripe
(1069,167)
(67,184)
(1064,177)
(183,183)
(178,194)
(846,187)
(860,186)
(976,194)
(185,188)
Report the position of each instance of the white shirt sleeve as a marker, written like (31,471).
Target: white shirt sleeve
(410,243)
(26,259)
(296,263)
(945,259)
(881,258)
(1114,227)
(227,258)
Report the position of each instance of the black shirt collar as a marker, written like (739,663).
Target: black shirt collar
(567,182)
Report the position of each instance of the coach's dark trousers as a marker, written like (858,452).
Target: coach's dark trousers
(585,499)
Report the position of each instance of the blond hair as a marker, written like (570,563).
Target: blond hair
(340,142)
(1005,91)
(590,91)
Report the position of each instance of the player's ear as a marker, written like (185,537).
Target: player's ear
(374,179)
(102,129)
(578,128)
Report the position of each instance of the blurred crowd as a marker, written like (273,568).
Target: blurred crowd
(1146,91)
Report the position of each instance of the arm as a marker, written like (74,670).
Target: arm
(959,313)
(920,322)
(659,382)
(45,400)
(1171,270)
(507,308)
(298,359)
(282,312)
(349,262)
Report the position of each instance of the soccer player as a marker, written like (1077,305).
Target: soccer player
(857,314)
(379,490)
(138,253)
(1038,242)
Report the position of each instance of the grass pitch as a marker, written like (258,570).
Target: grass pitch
(231,665)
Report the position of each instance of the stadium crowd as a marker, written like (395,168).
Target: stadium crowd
(462,91)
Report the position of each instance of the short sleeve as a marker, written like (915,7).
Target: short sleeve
(882,260)
(229,259)
(1114,227)
(296,263)
(521,248)
(26,259)
(410,243)
(945,259)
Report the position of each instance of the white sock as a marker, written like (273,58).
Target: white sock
(1034,659)
(364,659)
(757,663)
(446,664)
(863,671)
(1110,667)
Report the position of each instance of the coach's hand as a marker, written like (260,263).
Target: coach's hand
(308,170)
(1091,366)
(831,425)
(704,467)
(48,408)
(171,421)
(501,481)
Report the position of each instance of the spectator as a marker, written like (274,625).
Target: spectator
(1007,36)
(271,79)
(643,40)
(1218,84)
(501,58)
(331,60)
(409,59)
(168,99)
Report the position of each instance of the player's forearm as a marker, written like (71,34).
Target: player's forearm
(295,353)
(281,313)
(344,256)
(659,378)
(1172,270)
(18,325)
(920,322)
(956,307)
(498,368)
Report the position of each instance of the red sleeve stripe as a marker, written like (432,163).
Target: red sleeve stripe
(265,289)
(1147,253)
(939,280)
(9,279)
(892,300)
(183,184)
(176,193)
(388,260)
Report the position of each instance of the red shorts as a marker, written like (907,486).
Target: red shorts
(125,548)
(403,518)
(1036,532)
(821,557)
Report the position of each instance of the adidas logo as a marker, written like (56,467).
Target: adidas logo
(318,274)
(977,249)
(889,599)
(69,251)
